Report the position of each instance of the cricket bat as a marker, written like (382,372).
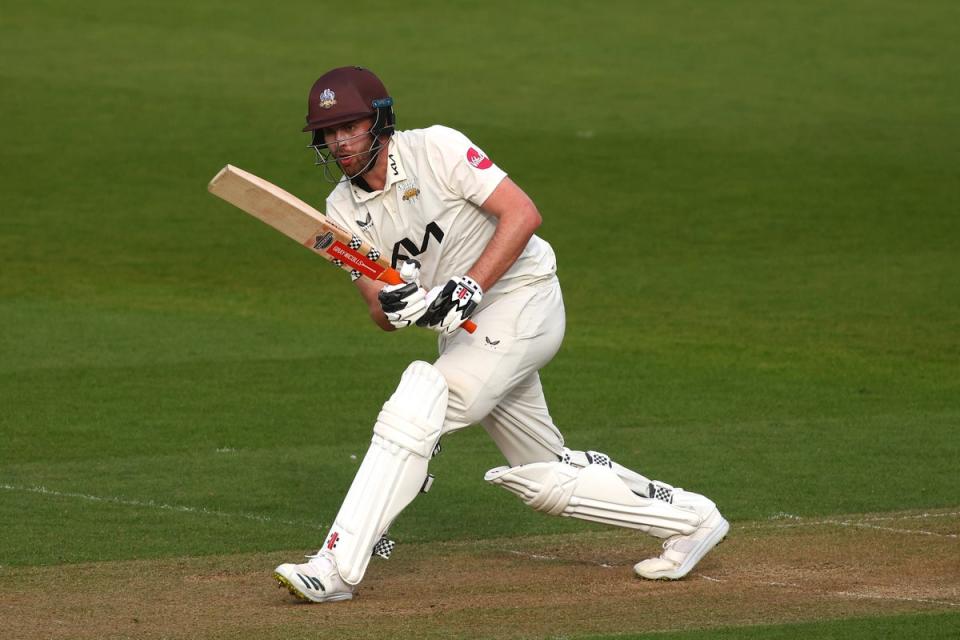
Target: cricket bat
(299,221)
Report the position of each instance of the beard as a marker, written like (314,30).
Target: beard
(356,164)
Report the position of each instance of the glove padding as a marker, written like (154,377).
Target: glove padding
(451,304)
(403,304)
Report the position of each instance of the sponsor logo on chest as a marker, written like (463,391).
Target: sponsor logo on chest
(408,248)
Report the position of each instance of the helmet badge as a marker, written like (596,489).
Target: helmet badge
(327,99)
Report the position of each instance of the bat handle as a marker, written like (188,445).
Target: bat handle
(392,276)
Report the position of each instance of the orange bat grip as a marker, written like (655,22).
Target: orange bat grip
(392,276)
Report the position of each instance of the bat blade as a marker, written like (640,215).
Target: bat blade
(266,201)
(299,221)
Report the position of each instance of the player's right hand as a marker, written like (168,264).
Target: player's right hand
(450,305)
(404,304)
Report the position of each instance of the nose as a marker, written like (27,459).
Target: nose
(343,135)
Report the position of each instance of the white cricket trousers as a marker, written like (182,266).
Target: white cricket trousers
(493,374)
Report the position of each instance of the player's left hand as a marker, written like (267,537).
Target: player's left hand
(404,303)
(449,305)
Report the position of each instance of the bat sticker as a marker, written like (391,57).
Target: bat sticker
(356,260)
(323,241)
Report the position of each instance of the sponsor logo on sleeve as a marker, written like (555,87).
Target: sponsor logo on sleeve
(477,159)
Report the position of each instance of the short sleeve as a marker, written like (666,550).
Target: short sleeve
(461,166)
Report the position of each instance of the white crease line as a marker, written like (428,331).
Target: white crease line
(919,531)
(766,584)
(862,596)
(913,516)
(534,556)
(867,596)
(154,505)
(861,522)
(845,594)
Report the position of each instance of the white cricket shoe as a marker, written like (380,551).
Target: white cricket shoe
(315,581)
(682,553)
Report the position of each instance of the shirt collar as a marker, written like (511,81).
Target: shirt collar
(395,174)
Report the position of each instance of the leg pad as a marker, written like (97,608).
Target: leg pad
(394,470)
(596,493)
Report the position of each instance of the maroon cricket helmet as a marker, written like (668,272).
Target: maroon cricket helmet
(344,94)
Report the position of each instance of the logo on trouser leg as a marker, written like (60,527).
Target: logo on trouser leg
(332,541)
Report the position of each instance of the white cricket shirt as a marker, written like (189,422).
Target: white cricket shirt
(429,210)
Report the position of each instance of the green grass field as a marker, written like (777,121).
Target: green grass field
(756,211)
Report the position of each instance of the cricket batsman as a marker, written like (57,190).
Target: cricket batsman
(461,232)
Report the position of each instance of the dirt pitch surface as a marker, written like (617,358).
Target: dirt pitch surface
(784,570)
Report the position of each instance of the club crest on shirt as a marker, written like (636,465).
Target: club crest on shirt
(327,99)
(410,191)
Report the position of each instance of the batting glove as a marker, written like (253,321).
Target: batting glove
(405,303)
(449,305)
